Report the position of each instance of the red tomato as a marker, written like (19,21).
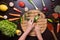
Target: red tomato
(59,15)
(21,4)
(55,15)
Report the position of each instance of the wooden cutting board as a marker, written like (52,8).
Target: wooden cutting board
(42,21)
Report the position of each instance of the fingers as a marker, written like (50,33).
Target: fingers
(37,27)
(31,21)
(38,33)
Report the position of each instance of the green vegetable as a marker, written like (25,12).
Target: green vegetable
(20,19)
(50,20)
(7,28)
(25,16)
(30,1)
(33,4)
(36,18)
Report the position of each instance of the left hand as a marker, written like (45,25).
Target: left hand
(37,27)
(38,33)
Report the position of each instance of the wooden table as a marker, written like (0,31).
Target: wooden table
(47,34)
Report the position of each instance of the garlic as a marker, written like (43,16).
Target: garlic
(26,9)
(5,17)
(11,4)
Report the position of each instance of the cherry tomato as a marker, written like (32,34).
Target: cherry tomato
(21,4)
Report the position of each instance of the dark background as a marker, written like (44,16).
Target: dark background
(47,35)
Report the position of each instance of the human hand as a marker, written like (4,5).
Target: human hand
(30,23)
(37,27)
(38,33)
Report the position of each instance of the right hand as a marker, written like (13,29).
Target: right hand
(30,23)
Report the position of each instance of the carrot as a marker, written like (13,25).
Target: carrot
(18,15)
(13,19)
(16,9)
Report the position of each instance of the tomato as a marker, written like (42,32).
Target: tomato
(55,15)
(59,15)
(21,4)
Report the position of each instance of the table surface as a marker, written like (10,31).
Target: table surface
(47,35)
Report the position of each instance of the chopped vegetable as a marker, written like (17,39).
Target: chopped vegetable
(11,4)
(36,18)
(21,19)
(26,17)
(7,28)
(50,20)
(21,4)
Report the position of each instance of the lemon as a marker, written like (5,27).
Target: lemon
(18,32)
(3,7)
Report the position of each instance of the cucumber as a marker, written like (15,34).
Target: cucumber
(36,18)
